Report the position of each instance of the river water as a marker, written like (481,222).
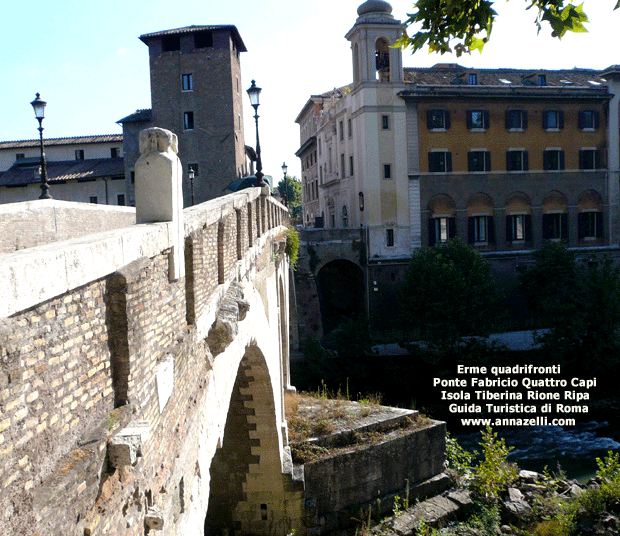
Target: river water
(575,449)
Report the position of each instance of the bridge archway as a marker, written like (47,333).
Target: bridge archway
(247,488)
(342,294)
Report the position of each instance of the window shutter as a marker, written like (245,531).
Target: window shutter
(561,119)
(597,119)
(469,120)
(546,159)
(564,226)
(487,160)
(429,119)
(545,120)
(509,164)
(561,159)
(597,159)
(526,164)
(470,230)
(448,162)
(581,120)
(431,232)
(582,159)
(446,118)
(581,225)
(545,225)
(508,228)
(490,230)
(431,163)
(524,119)
(527,224)
(451,227)
(508,119)
(486,119)
(470,161)
(599,225)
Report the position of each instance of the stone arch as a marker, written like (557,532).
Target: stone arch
(590,218)
(479,203)
(590,200)
(554,201)
(382,59)
(441,205)
(341,291)
(247,488)
(518,203)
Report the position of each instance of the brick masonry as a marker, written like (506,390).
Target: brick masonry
(76,369)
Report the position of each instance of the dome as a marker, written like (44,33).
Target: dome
(374,6)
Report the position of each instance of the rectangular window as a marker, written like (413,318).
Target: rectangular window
(555,226)
(473,79)
(341,128)
(441,229)
(589,159)
(385,122)
(188,120)
(477,119)
(389,237)
(438,119)
(203,39)
(553,119)
(542,79)
(517,225)
(169,43)
(187,82)
(79,154)
(480,229)
(114,153)
(516,119)
(120,200)
(553,160)
(343,171)
(132,177)
(350,128)
(19,156)
(387,171)
(516,160)
(479,161)
(439,162)
(590,225)
(351,166)
(93,199)
(589,120)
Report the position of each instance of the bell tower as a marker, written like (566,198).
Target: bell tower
(372,37)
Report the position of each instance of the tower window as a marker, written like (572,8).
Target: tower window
(187,82)
(203,39)
(188,120)
(79,154)
(169,43)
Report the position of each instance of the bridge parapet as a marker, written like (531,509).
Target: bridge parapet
(96,333)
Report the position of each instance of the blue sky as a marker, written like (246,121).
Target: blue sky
(86,60)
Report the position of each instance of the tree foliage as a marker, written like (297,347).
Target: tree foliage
(579,304)
(461,26)
(293,194)
(448,293)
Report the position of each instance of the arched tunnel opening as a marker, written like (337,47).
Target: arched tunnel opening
(341,292)
(247,494)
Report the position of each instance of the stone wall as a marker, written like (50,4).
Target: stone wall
(112,404)
(32,223)
(338,487)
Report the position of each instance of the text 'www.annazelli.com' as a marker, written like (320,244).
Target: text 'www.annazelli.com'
(541,420)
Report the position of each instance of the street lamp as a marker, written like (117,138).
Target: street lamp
(254,94)
(284,170)
(39,112)
(191,182)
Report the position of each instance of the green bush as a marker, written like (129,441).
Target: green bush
(292,246)
(493,474)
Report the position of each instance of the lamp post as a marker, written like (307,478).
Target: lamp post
(191,182)
(284,170)
(39,112)
(254,94)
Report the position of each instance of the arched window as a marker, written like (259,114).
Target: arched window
(382,60)
(441,221)
(518,219)
(555,217)
(480,222)
(590,217)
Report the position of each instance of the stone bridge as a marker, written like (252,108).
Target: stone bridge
(142,371)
